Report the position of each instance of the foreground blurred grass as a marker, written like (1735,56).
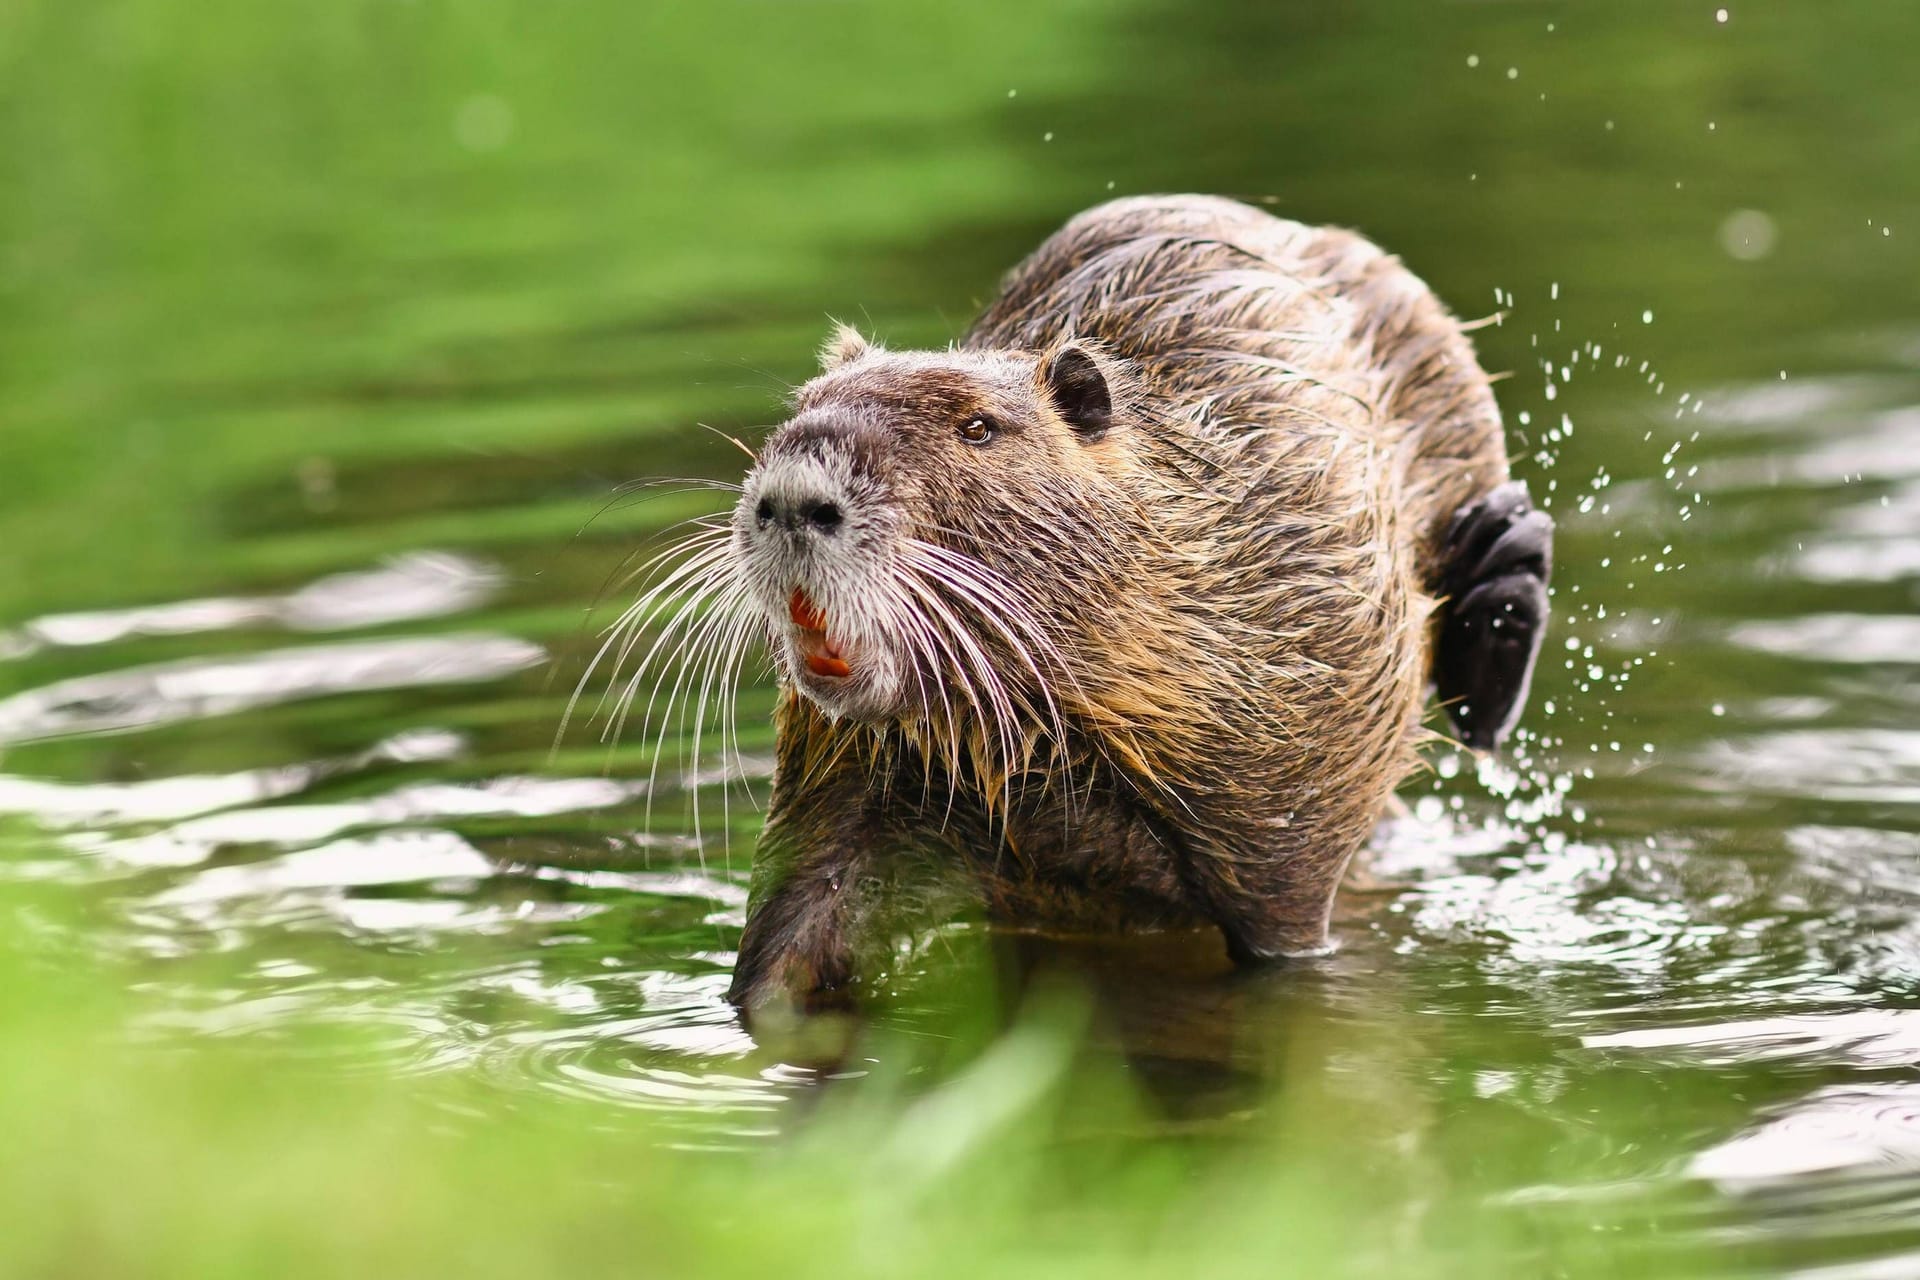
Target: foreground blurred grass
(987,1150)
(128,1157)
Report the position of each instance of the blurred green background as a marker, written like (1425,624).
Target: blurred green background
(316,957)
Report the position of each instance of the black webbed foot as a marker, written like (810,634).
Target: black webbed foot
(1499,556)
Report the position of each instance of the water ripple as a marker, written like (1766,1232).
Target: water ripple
(1861,1038)
(684,1049)
(200,688)
(109,804)
(418,584)
(1878,765)
(1836,637)
(393,857)
(1852,1129)
(285,825)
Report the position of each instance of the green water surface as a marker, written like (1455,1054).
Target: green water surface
(333,338)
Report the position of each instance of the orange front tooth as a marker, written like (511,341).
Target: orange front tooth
(822,665)
(805,613)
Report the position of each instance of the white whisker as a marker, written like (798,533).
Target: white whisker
(632,618)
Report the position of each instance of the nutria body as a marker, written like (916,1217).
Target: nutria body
(1124,612)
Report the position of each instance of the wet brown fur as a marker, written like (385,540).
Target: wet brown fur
(1236,584)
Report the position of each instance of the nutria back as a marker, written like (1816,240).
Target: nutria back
(1277,341)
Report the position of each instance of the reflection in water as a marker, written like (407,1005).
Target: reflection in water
(200,688)
(1869,1038)
(1874,447)
(1862,1130)
(396,857)
(420,584)
(1865,638)
(195,841)
(681,1051)
(110,804)
(1866,765)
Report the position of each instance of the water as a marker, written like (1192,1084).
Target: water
(327,342)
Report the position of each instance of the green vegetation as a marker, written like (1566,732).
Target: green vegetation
(222,1157)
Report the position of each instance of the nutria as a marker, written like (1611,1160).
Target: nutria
(1123,613)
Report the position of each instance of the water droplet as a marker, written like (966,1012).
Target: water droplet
(1748,234)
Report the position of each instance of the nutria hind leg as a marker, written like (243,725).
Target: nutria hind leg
(1267,905)
(1294,925)
(1498,556)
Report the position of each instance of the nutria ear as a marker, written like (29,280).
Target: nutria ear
(1079,391)
(842,345)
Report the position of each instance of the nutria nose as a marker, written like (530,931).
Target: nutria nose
(821,515)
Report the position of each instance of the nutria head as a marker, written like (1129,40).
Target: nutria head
(893,531)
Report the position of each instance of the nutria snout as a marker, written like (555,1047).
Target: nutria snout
(1122,613)
(814,531)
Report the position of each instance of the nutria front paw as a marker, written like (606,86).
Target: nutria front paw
(793,957)
(1499,555)
(789,984)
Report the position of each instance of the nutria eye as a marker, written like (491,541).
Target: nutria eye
(977,430)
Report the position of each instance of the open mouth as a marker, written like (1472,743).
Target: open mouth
(821,655)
